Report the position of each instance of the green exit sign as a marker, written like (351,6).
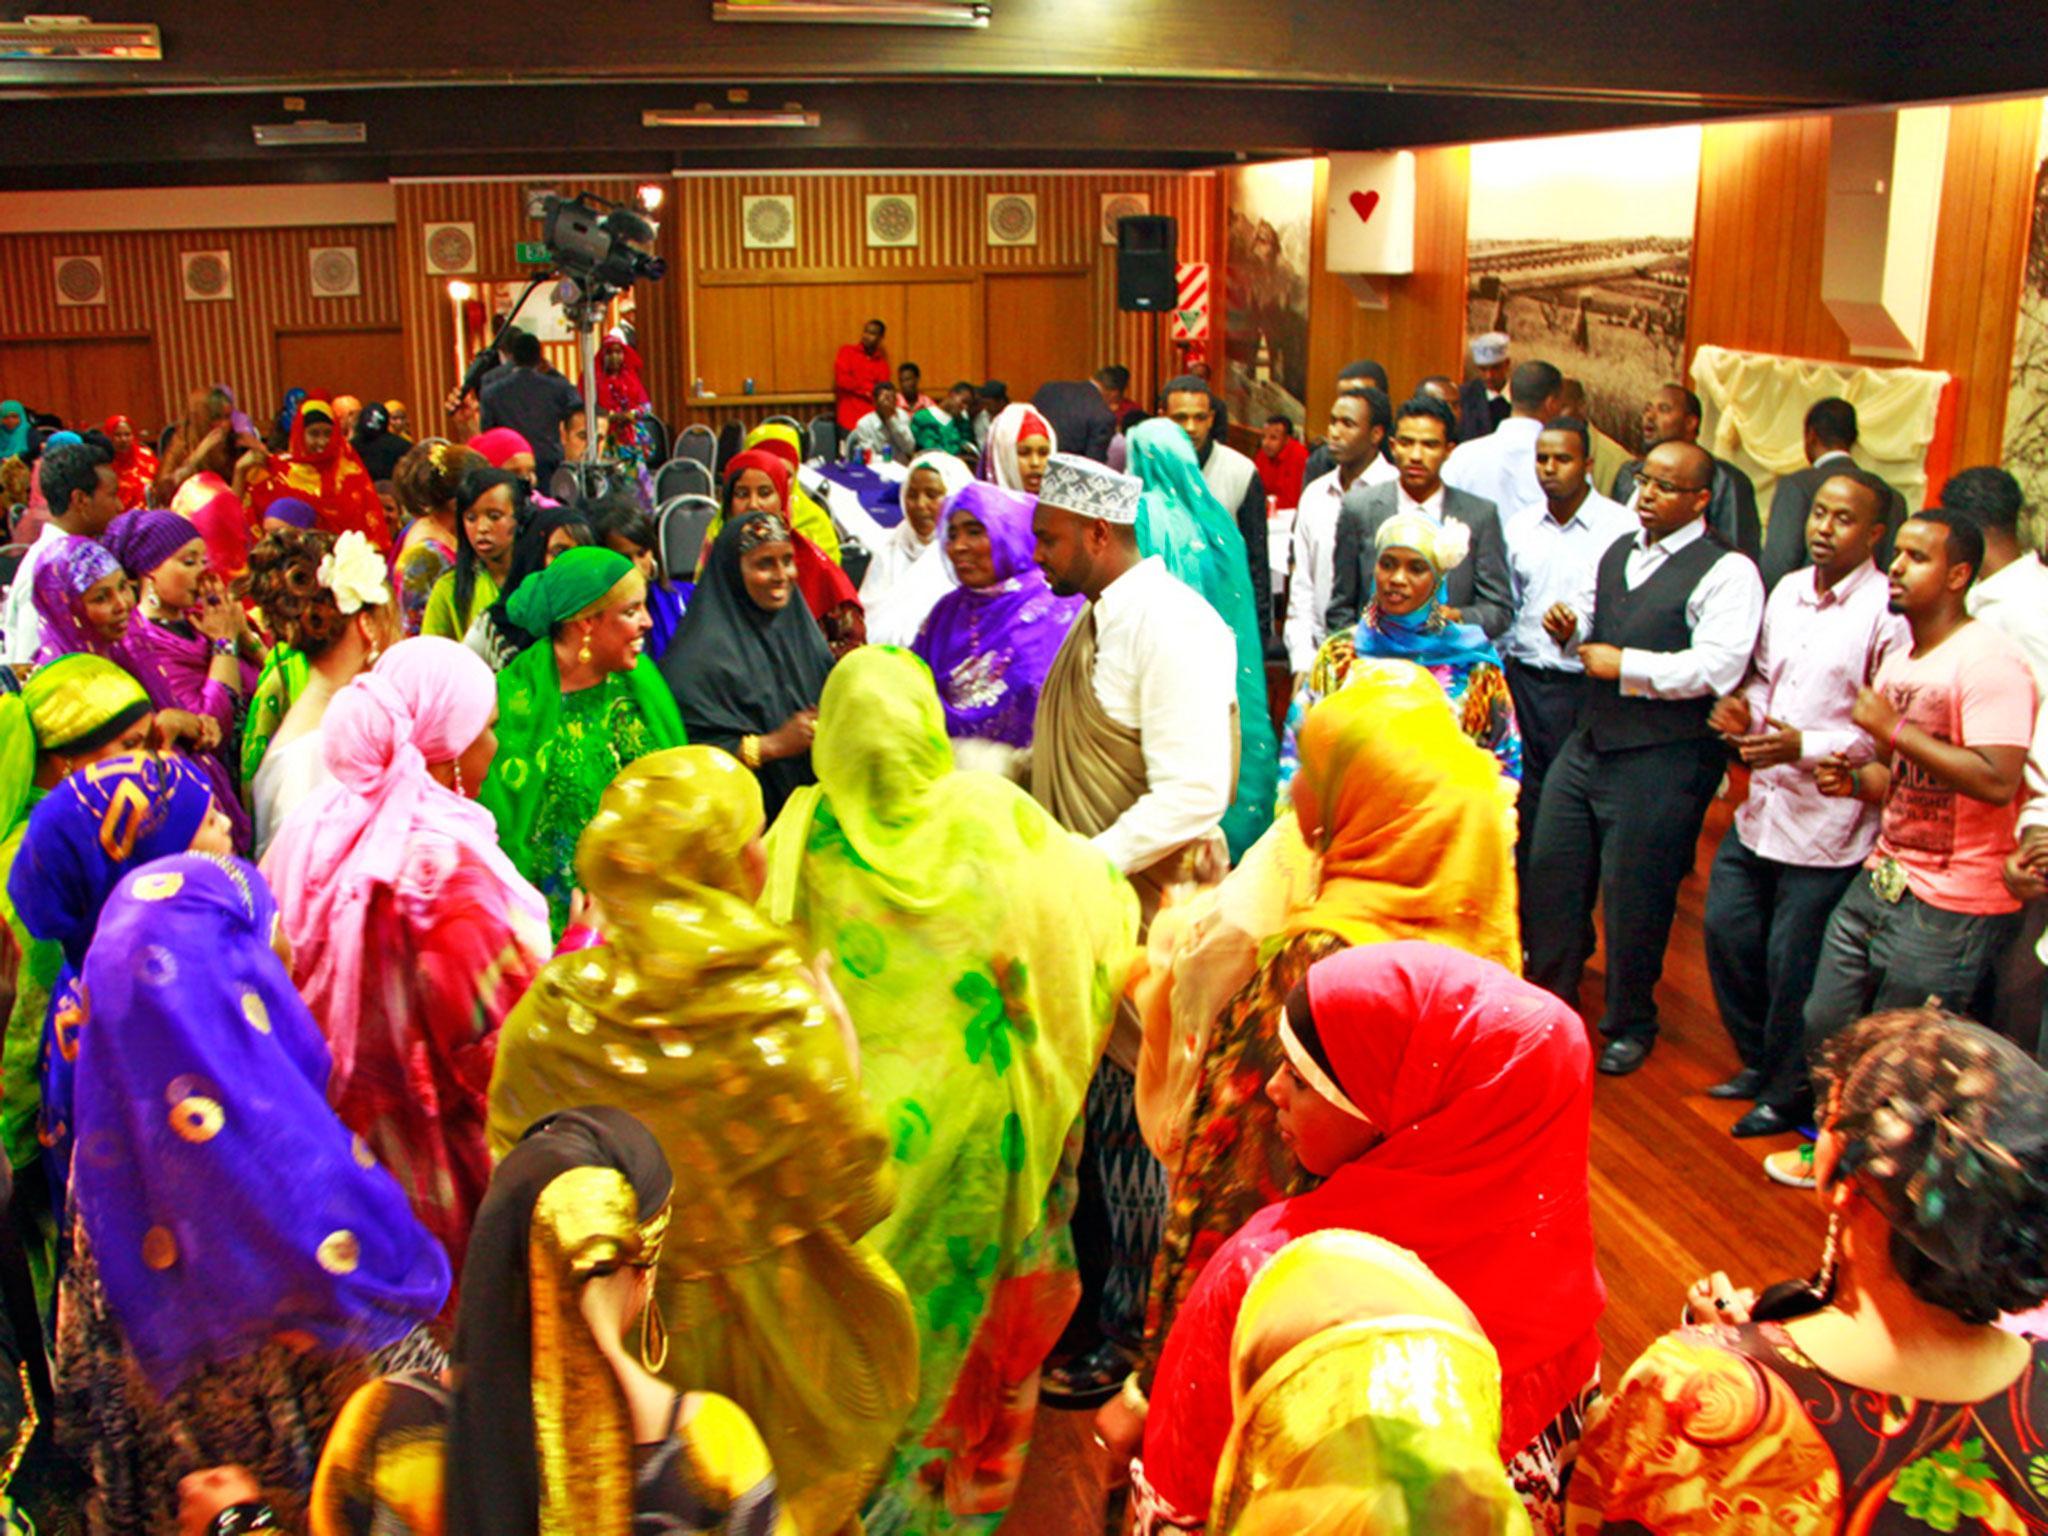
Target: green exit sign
(532,253)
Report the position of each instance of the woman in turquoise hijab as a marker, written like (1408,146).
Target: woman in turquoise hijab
(1183,523)
(573,709)
(14,429)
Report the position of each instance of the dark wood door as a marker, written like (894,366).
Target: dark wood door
(369,364)
(1037,329)
(87,379)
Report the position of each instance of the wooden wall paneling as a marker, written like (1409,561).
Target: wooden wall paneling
(198,344)
(367,363)
(1037,329)
(812,321)
(1761,237)
(703,239)
(735,324)
(1422,329)
(942,332)
(84,379)
(1986,214)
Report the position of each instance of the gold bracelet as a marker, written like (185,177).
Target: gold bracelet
(750,751)
(1133,1397)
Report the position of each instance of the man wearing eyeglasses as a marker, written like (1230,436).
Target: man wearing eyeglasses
(1672,415)
(1671,618)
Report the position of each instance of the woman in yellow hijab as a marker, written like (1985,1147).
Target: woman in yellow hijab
(1365,1400)
(805,515)
(981,948)
(1414,838)
(699,1017)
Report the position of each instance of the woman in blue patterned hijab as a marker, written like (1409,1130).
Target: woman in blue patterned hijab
(234,1245)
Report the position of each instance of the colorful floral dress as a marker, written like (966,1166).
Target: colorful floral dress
(1735,1429)
(1233,1163)
(1477,691)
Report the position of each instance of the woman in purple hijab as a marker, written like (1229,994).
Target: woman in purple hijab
(86,603)
(991,640)
(240,1263)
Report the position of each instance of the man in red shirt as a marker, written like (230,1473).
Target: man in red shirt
(858,368)
(1280,461)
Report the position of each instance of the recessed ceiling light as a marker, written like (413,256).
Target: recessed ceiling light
(870,13)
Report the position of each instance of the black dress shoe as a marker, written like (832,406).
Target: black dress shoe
(1624,1055)
(1087,1381)
(1764,1120)
(1746,1084)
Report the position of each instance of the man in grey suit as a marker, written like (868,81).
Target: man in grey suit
(1673,416)
(1476,590)
(1830,434)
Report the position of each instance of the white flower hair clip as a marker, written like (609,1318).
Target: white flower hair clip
(354,572)
(1453,544)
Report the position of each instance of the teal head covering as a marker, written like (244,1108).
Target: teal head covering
(14,439)
(1181,521)
(577,578)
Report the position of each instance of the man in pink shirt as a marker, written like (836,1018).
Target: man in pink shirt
(1950,722)
(1792,851)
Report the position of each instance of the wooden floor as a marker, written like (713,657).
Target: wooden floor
(1674,1196)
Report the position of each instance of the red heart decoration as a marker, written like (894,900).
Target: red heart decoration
(1363,203)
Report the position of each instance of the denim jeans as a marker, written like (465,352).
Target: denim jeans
(1878,955)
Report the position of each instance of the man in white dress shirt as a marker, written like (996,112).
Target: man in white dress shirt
(1501,466)
(2011,592)
(1134,748)
(1552,552)
(1673,622)
(84,495)
(1360,418)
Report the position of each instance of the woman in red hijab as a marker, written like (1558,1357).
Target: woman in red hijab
(1446,1103)
(134,464)
(619,385)
(322,470)
(759,480)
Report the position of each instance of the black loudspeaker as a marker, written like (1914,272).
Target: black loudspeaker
(1147,262)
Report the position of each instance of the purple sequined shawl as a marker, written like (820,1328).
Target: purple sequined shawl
(990,648)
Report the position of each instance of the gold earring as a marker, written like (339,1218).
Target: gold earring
(458,776)
(583,656)
(653,1336)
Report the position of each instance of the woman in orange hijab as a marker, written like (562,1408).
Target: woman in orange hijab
(1416,841)
(323,470)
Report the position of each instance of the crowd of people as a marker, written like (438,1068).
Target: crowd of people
(510,1028)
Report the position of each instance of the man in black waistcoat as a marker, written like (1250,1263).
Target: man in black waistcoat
(1673,617)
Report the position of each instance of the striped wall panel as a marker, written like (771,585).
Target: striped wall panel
(704,233)
(701,232)
(498,210)
(198,343)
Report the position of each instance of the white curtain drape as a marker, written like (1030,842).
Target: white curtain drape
(1755,415)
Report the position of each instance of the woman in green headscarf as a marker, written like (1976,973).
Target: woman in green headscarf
(1183,523)
(70,714)
(572,711)
(980,948)
(699,1017)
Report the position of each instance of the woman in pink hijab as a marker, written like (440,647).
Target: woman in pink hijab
(412,935)
(503,448)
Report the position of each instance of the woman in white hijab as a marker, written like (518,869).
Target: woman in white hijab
(1020,440)
(906,575)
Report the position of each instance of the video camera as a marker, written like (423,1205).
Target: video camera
(604,246)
